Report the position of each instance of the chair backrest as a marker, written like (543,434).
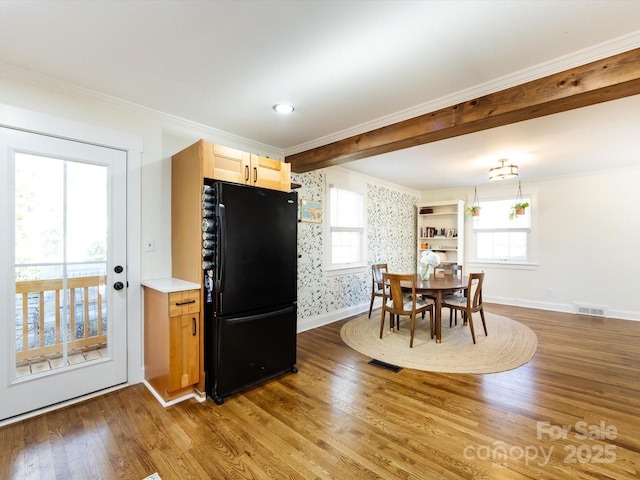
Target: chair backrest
(474,291)
(448,269)
(376,271)
(396,293)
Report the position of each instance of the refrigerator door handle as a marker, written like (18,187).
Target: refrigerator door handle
(222,246)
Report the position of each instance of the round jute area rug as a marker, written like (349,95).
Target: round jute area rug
(509,344)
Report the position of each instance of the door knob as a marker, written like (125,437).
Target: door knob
(118,285)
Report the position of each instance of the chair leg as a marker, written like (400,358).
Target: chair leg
(470,320)
(413,327)
(394,323)
(382,322)
(484,324)
(371,304)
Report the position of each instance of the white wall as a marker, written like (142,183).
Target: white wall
(588,238)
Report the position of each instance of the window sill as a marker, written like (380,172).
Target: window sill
(335,272)
(513,265)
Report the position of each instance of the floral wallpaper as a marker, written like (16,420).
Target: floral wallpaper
(391,217)
(391,230)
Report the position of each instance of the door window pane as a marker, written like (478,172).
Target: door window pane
(60,263)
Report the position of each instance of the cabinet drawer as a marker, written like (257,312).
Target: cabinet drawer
(184,303)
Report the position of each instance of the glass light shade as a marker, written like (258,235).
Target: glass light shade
(503,172)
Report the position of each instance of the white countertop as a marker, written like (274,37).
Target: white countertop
(169,285)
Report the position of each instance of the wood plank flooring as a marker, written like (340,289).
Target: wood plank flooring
(573,412)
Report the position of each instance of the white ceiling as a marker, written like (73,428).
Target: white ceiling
(348,67)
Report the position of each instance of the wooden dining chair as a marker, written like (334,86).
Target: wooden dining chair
(469,304)
(377,284)
(447,269)
(450,269)
(397,303)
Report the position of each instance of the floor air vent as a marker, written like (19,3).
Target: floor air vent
(593,310)
(385,365)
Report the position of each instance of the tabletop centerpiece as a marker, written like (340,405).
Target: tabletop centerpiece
(428,260)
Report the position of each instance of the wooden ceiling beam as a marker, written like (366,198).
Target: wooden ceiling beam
(600,81)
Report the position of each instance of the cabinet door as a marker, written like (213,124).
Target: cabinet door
(230,165)
(184,339)
(269,173)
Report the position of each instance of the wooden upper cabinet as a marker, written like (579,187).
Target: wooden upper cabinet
(227,164)
(268,173)
(231,165)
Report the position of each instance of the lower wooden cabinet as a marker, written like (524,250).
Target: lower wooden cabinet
(171,338)
(184,339)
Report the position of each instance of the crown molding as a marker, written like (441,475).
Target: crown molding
(170,122)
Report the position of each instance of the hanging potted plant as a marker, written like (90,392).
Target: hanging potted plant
(518,208)
(474,210)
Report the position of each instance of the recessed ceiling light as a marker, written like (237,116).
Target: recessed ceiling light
(283,108)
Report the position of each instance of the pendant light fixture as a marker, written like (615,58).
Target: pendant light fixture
(503,172)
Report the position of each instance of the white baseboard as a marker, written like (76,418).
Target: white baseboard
(330,317)
(559,307)
(166,404)
(341,314)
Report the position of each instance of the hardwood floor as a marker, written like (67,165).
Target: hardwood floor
(572,412)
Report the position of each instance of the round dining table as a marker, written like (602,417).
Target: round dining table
(437,287)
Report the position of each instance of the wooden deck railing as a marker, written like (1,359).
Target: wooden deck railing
(91,289)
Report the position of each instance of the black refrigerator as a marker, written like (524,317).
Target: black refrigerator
(250,278)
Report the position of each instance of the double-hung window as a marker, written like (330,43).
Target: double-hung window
(347,223)
(499,235)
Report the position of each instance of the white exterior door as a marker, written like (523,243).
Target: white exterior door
(63,295)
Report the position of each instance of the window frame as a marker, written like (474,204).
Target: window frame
(345,181)
(531,260)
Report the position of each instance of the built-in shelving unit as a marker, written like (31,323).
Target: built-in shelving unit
(440,228)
